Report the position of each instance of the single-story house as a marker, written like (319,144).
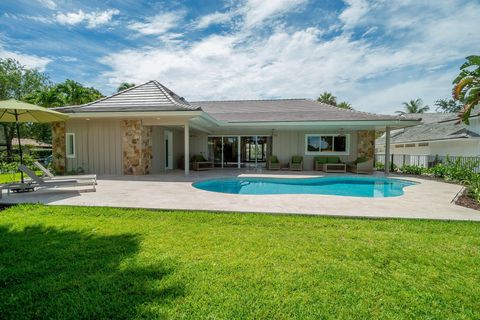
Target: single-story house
(148,129)
(439,134)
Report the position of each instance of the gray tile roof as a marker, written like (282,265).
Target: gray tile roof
(283,110)
(442,130)
(150,96)
(431,117)
(153,96)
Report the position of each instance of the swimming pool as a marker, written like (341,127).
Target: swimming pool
(371,187)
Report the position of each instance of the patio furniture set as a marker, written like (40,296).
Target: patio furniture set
(329,164)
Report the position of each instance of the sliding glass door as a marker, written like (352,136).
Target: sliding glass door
(254,151)
(239,151)
(230,152)
(215,148)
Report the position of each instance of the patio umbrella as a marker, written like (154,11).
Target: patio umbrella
(17,111)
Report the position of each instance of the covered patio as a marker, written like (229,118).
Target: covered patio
(174,191)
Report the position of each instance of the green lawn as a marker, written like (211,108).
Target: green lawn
(92,263)
(14,177)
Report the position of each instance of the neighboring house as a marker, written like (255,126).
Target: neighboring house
(148,129)
(439,134)
(27,142)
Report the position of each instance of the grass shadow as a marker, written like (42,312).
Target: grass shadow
(59,274)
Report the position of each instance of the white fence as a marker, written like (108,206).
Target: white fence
(426,161)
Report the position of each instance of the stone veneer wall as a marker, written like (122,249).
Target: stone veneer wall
(366,144)
(59,146)
(136,147)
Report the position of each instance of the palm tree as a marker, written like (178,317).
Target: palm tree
(447,106)
(414,106)
(124,86)
(467,86)
(345,105)
(327,98)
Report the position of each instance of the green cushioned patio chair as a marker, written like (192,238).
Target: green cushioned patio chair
(318,162)
(199,163)
(296,163)
(273,163)
(333,159)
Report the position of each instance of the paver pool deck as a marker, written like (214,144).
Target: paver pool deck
(429,199)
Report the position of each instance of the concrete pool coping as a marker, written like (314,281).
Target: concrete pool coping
(429,199)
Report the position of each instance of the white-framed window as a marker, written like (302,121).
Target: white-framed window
(70,144)
(327,144)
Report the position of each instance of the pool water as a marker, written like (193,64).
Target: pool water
(371,187)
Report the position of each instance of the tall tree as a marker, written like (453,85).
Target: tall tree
(328,98)
(414,106)
(124,86)
(467,86)
(17,82)
(447,106)
(48,97)
(74,93)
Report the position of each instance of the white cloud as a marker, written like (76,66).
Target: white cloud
(93,19)
(50,4)
(158,24)
(257,11)
(372,75)
(252,13)
(213,18)
(353,14)
(390,98)
(29,60)
(71,18)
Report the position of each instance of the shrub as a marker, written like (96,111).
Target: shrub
(379,166)
(473,187)
(460,171)
(413,169)
(437,171)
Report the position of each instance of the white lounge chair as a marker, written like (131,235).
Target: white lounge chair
(48,175)
(39,182)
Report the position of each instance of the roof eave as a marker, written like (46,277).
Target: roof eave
(380,122)
(135,114)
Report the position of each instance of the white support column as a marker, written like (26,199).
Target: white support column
(238,152)
(256,151)
(387,150)
(186,135)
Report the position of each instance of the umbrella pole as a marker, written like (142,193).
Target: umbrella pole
(19,143)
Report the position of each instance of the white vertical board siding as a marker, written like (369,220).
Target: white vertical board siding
(199,144)
(285,144)
(178,143)
(289,143)
(158,150)
(98,146)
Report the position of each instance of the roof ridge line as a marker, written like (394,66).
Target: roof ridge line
(113,95)
(163,88)
(160,86)
(238,100)
(355,111)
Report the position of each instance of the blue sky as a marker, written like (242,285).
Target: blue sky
(373,54)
